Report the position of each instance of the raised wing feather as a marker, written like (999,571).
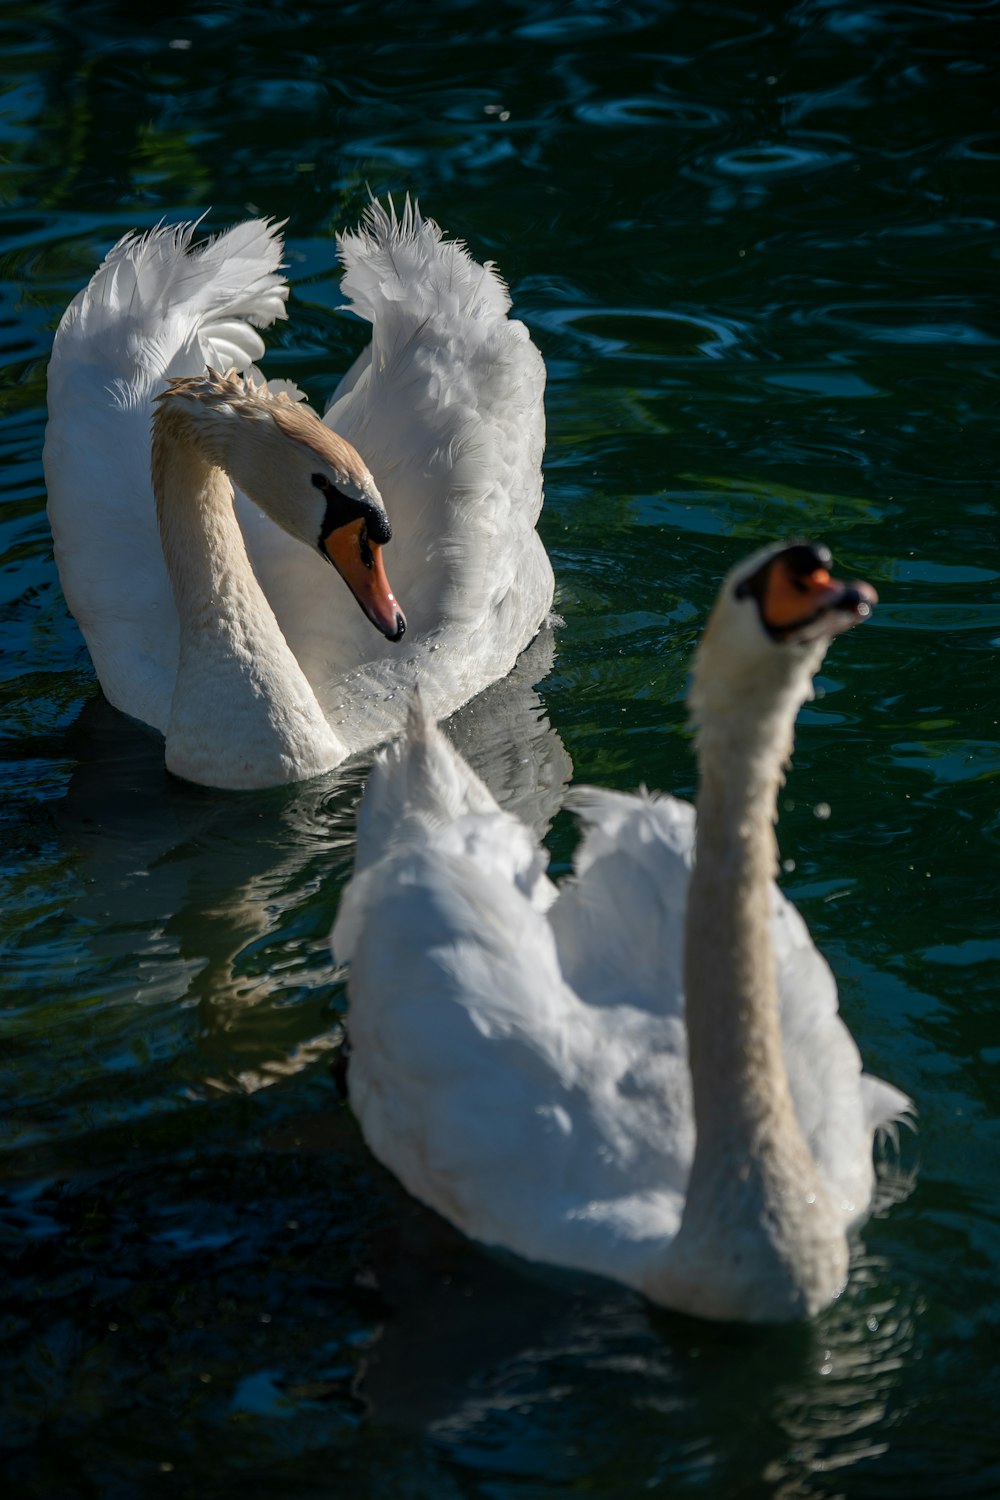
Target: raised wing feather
(619,924)
(446,408)
(158,306)
(619,928)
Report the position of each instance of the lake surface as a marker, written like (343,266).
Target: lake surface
(757,247)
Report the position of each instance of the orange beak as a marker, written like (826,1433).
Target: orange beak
(359,563)
(791,599)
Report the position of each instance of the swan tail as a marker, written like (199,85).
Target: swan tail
(423,798)
(160,304)
(420,776)
(400,266)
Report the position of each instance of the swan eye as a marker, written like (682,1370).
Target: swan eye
(804,559)
(800,565)
(344,510)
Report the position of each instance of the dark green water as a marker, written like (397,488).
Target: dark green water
(758,249)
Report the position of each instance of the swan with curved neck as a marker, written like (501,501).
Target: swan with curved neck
(445,405)
(642,1075)
(240,697)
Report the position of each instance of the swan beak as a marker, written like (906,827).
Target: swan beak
(846,604)
(795,598)
(359,563)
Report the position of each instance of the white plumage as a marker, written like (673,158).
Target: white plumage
(519,1057)
(445,408)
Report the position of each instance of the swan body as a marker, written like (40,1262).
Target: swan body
(644,1073)
(195,513)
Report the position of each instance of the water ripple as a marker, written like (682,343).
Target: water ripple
(645,333)
(767,159)
(686,114)
(898,322)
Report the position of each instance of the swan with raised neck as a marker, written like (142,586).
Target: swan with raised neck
(759,1231)
(536,1066)
(243,714)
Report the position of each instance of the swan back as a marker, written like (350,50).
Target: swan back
(476,1073)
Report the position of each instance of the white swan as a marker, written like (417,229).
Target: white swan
(229,638)
(520,1057)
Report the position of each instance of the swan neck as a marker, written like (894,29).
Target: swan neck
(730,976)
(759,1239)
(243,714)
(202,543)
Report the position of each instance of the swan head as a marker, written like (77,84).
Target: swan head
(766,637)
(310,481)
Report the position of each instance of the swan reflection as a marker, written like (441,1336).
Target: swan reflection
(200,919)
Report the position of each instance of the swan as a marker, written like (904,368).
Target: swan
(643,1074)
(196,508)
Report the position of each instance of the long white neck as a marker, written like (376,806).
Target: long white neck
(243,714)
(760,1240)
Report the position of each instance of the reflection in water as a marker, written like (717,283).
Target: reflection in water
(201,918)
(507,739)
(488,1357)
(828,1419)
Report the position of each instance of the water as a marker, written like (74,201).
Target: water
(757,247)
